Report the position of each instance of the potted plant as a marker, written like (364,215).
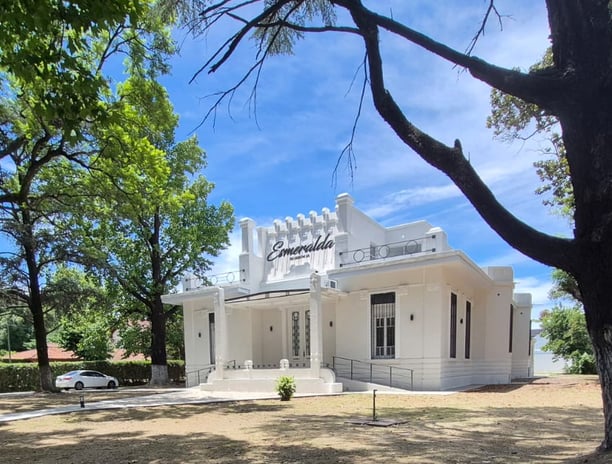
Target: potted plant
(285,387)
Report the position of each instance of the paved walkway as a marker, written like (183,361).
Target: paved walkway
(192,395)
(169,397)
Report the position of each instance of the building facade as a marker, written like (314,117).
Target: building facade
(336,297)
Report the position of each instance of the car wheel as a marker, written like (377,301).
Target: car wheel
(112,385)
(78,386)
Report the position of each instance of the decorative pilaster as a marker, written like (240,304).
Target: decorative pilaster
(316,329)
(220,332)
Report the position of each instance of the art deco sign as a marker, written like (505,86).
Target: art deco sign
(280,250)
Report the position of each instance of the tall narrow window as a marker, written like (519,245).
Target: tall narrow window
(307,332)
(468,328)
(295,333)
(529,339)
(511,328)
(211,336)
(382,308)
(453,326)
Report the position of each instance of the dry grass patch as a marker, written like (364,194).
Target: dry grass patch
(546,421)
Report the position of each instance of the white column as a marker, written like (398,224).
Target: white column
(220,332)
(316,329)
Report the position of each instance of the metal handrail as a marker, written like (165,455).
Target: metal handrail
(188,375)
(207,370)
(391,376)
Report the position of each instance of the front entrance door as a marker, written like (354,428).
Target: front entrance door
(299,337)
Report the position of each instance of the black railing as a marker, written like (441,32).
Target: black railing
(381,374)
(388,250)
(224,279)
(194,378)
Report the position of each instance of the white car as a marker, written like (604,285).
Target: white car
(85,379)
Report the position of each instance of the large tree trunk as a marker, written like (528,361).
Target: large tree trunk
(159,361)
(36,308)
(582,48)
(599,323)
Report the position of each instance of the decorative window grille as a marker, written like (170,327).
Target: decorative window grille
(307,332)
(382,307)
(295,333)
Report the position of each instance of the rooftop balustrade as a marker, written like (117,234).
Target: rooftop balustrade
(386,251)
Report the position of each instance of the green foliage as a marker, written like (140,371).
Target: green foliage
(146,219)
(16,324)
(135,338)
(58,49)
(277,39)
(86,334)
(285,387)
(175,340)
(16,377)
(79,303)
(512,118)
(564,286)
(54,94)
(568,338)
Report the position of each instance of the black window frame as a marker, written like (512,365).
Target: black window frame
(453,326)
(383,326)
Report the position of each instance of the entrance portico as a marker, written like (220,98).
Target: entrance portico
(256,338)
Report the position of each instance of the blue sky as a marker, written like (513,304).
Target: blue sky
(281,162)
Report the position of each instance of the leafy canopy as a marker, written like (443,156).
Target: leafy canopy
(568,338)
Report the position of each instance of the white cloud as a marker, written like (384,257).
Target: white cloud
(227,261)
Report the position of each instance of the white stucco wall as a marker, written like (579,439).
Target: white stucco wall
(422,282)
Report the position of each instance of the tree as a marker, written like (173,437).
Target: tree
(511,118)
(568,338)
(85,315)
(15,330)
(52,90)
(146,223)
(576,89)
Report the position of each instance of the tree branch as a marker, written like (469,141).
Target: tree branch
(543,89)
(549,250)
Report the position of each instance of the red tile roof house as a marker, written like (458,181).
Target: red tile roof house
(58,354)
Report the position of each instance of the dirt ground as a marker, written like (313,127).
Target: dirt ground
(550,420)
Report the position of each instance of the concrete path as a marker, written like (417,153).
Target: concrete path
(192,395)
(175,396)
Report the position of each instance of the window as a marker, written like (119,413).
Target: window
(529,340)
(295,333)
(211,336)
(468,328)
(453,326)
(307,332)
(382,307)
(511,328)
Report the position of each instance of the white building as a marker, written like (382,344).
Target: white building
(330,296)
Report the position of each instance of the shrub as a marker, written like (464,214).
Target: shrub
(285,387)
(16,377)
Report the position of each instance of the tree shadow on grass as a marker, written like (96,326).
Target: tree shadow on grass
(177,412)
(122,448)
(453,435)
(284,433)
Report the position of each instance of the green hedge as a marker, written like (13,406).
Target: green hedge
(16,377)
